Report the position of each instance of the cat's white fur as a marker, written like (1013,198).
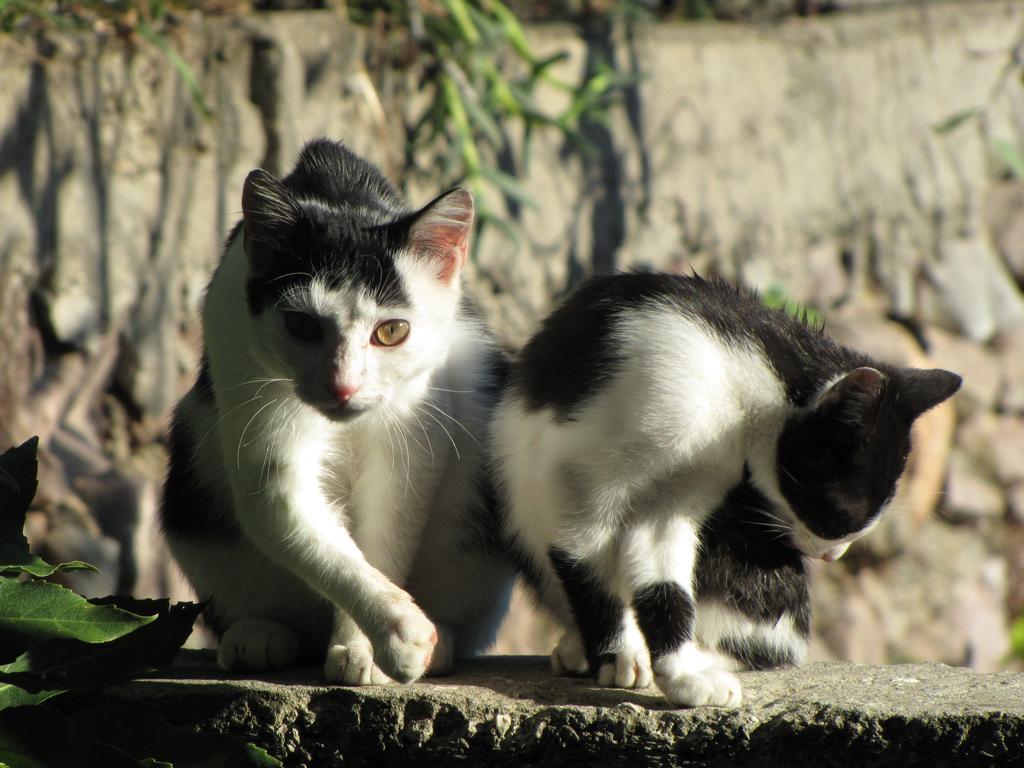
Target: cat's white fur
(344,510)
(625,485)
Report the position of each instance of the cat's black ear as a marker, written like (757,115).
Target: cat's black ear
(855,398)
(268,210)
(440,232)
(921,390)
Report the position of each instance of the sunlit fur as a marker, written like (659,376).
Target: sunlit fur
(650,407)
(319,517)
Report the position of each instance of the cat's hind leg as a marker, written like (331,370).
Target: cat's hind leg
(630,666)
(605,640)
(657,560)
(569,657)
(258,645)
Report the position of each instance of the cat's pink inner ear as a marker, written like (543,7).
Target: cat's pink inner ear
(856,395)
(864,380)
(441,232)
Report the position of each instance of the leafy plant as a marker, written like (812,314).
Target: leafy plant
(483,78)
(53,640)
(132,20)
(1017,639)
(775,298)
(1008,153)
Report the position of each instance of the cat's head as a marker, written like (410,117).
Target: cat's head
(352,302)
(839,461)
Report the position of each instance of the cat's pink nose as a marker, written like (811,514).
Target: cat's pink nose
(344,392)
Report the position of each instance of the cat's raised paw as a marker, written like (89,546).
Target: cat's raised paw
(353,665)
(631,668)
(405,648)
(258,645)
(711,687)
(569,656)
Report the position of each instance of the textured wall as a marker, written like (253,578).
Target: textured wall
(800,156)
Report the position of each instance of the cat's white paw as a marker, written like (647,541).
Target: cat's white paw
(443,660)
(569,657)
(353,665)
(258,645)
(630,669)
(712,687)
(405,641)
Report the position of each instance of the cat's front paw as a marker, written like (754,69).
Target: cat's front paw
(631,668)
(569,657)
(353,665)
(404,645)
(258,645)
(443,660)
(712,687)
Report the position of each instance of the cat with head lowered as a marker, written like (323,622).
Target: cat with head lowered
(326,493)
(669,451)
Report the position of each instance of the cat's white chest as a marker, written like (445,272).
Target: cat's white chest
(362,472)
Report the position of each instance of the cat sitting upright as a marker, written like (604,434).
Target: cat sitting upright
(669,450)
(326,467)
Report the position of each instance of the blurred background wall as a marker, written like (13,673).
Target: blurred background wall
(865,159)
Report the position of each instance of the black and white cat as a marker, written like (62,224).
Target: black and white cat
(326,468)
(669,450)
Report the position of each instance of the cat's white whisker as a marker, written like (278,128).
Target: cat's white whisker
(217,423)
(241,437)
(442,426)
(426,436)
(453,419)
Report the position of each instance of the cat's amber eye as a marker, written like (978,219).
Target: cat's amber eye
(303,327)
(390,333)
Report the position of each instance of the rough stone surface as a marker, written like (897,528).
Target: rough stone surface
(512,711)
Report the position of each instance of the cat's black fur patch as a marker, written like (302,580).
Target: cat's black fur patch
(574,353)
(844,480)
(749,565)
(188,508)
(598,614)
(666,616)
(349,222)
(754,653)
(838,464)
(204,382)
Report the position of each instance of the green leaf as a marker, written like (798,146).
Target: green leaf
(146,736)
(36,566)
(1011,155)
(13,696)
(69,663)
(513,31)
(38,737)
(180,65)
(509,185)
(18,468)
(17,490)
(463,21)
(8,485)
(955,120)
(1017,638)
(33,611)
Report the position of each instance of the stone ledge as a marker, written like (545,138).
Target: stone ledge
(501,711)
